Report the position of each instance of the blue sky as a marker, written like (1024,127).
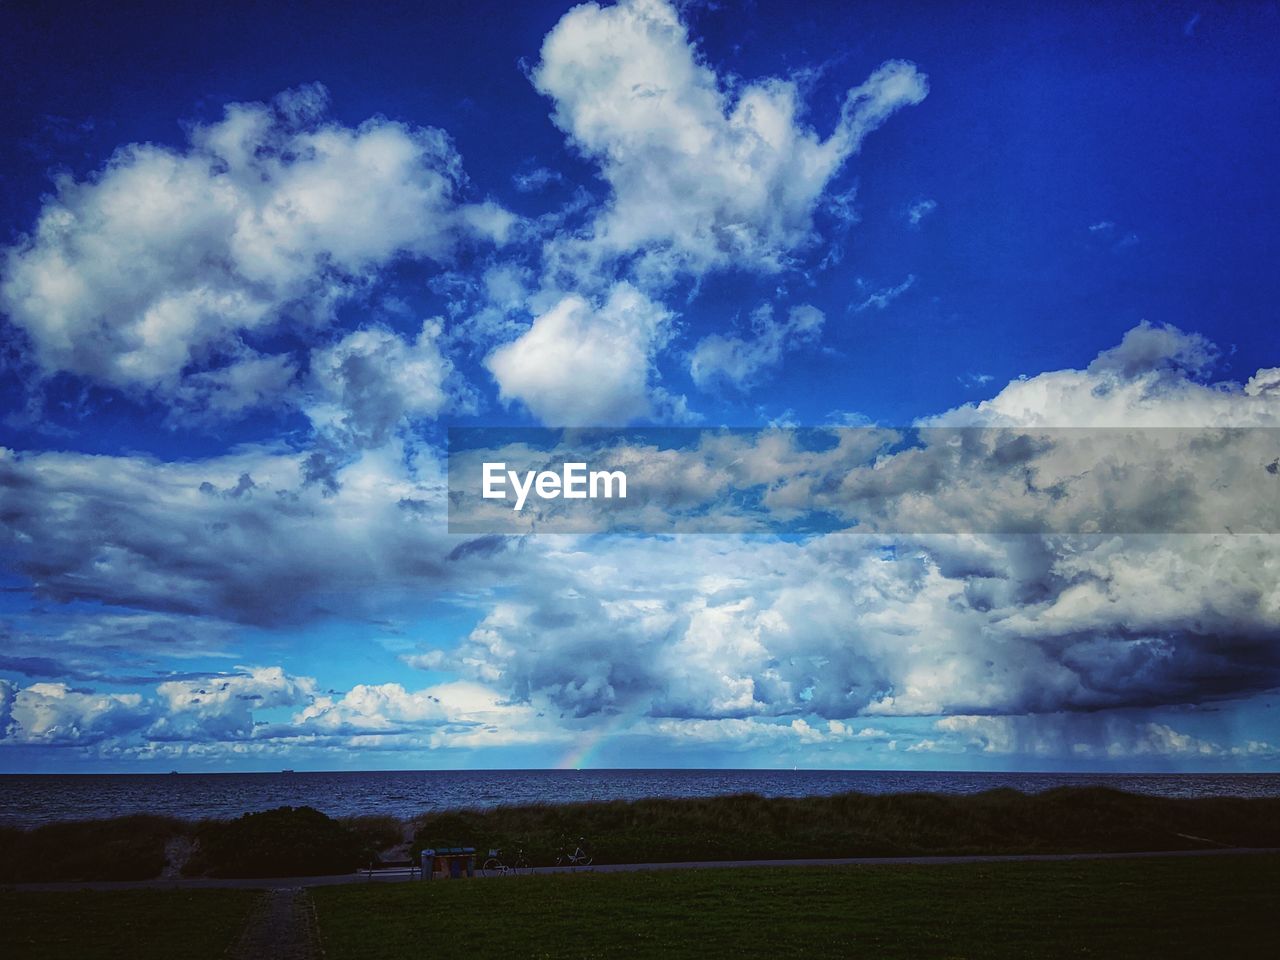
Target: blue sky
(257,260)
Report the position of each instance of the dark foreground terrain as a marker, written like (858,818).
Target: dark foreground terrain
(304,842)
(1171,907)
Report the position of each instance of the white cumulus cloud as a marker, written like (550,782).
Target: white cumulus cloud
(701,178)
(56,714)
(585,364)
(164,259)
(371,379)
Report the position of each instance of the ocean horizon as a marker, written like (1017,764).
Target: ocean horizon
(32,799)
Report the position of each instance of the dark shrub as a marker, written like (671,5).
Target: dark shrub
(285,842)
(123,848)
(375,834)
(453,829)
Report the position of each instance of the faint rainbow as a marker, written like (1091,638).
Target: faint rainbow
(588,741)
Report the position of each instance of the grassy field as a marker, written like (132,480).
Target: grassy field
(134,924)
(1220,906)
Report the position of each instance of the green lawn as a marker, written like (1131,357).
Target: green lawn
(137,924)
(1185,907)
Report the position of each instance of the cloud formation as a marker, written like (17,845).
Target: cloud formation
(741,362)
(838,626)
(244,537)
(841,627)
(366,384)
(585,364)
(1082,736)
(169,261)
(253,266)
(54,714)
(239,713)
(1153,378)
(700,179)
(224,708)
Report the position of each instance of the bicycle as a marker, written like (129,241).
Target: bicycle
(579,857)
(496,866)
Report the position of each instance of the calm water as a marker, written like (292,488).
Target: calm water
(32,799)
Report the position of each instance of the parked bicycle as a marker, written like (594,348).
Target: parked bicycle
(501,863)
(578,856)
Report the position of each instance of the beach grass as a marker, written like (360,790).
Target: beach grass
(1165,907)
(134,924)
(752,827)
(304,842)
(121,848)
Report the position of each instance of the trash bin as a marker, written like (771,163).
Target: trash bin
(453,863)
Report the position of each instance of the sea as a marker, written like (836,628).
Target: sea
(28,800)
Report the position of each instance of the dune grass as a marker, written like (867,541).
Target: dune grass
(747,826)
(1168,908)
(300,841)
(122,848)
(285,842)
(134,924)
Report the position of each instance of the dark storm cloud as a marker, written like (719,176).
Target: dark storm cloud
(242,538)
(835,628)
(108,646)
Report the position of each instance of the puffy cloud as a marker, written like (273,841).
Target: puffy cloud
(1152,349)
(373,708)
(1154,378)
(741,362)
(222,708)
(216,715)
(838,626)
(754,734)
(582,364)
(1264,383)
(7,692)
(54,714)
(1052,481)
(427,660)
(364,385)
(248,381)
(166,259)
(689,629)
(457,714)
(994,625)
(973,469)
(700,179)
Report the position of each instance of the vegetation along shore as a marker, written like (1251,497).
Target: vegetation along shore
(301,841)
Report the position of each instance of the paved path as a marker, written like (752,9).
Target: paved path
(281,927)
(395,876)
